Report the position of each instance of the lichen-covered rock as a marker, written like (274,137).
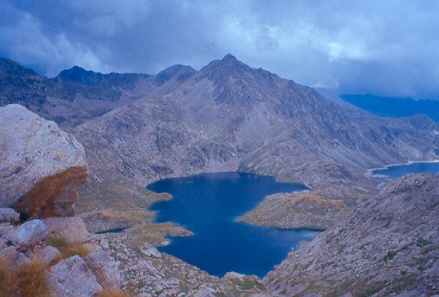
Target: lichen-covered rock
(9,215)
(71,229)
(105,269)
(72,277)
(28,234)
(31,150)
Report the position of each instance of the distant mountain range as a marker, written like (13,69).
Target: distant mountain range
(225,117)
(394,107)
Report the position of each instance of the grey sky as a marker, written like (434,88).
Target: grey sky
(379,47)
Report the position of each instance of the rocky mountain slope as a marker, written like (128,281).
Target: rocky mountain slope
(388,245)
(225,117)
(230,117)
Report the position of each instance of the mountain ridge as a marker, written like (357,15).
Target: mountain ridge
(239,117)
(248,122)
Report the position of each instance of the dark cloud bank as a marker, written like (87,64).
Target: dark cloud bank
(383,47)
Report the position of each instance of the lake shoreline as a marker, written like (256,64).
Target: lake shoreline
(369,172)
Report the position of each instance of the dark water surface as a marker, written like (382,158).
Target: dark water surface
(207,205)
(399,170)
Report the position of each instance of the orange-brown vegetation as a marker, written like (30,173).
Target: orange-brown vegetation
(28,281)
(54,195)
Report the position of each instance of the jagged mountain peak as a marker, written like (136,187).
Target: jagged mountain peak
(179,72)
(80,75)
(226,67)
(229,58)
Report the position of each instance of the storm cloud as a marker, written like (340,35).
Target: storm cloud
(380,47)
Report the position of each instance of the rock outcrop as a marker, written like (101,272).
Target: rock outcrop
(28,234)
(296,211)
(72,229)
(75,265)
(72,277)
(42,167)
(388,245)
(41,171)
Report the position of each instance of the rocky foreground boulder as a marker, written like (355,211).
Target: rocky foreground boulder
(44,250)
(41,166)
(389,245)
(35,260)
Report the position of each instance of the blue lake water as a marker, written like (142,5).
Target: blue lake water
(207,205)
(399,170)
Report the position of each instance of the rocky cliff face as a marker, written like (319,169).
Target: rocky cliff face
(387,245)
(42,167)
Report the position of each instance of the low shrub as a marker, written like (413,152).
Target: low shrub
(32,280)
(8,282)
(68,249)
(28,281)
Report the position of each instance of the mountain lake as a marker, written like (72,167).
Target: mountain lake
(395,171)
(207,205)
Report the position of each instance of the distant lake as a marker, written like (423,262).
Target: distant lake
(399,170)
(207,205)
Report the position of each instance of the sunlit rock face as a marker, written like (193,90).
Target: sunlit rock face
(42,167)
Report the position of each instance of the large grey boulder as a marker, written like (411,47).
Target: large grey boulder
(29,234)
(41,167)
(72,229)
(105,269)
(72,277)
